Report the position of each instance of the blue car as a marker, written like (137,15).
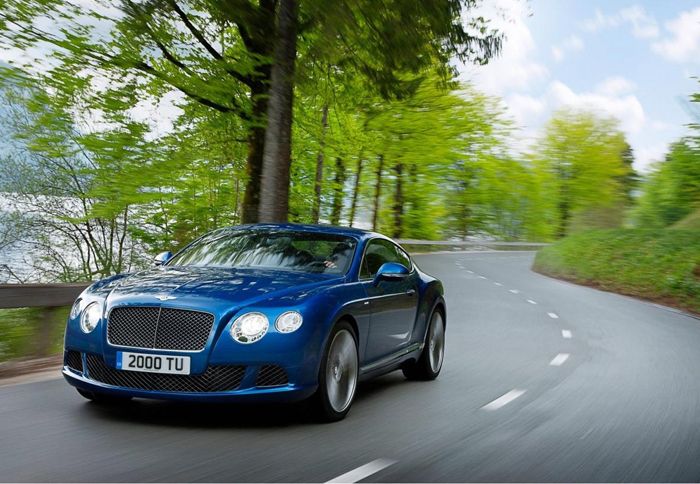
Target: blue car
(267,312)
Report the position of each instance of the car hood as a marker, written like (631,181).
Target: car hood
(235,287)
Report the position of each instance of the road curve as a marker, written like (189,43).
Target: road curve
(543,381)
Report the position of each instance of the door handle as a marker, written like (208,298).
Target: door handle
(410,292)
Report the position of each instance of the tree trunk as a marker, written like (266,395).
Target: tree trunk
(316,210)
(398,201)
(377,192)
(356,190)
(256,145)
(339,184)
(274,187)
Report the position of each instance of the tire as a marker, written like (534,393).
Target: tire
(338,374)
(429,364)
(102,398)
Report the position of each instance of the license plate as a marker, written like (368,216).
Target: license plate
(175,365)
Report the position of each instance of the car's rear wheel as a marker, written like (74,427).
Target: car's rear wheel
(429,364)
(102,397)
(338,374)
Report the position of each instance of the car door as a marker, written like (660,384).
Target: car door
(393,303)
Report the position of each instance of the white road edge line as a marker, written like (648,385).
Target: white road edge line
(364,471)
(503,400)
(566,334)
(559,359)
(514,291)
(531,301)
(553,315)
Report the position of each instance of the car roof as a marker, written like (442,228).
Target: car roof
(317,228)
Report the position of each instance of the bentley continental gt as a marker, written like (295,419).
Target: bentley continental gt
(267,312)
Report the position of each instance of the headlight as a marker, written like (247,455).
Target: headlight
(90,317)
(249,328)
(75,310)
(288,322)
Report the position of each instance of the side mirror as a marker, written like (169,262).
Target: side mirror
(162,258)
(391,271)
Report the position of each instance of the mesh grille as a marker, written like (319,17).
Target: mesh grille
(163,329)
(73,360)
(271,376)
(214,379)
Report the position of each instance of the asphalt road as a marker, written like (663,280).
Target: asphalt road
(543,381)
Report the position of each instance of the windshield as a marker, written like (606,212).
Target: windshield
(296,251)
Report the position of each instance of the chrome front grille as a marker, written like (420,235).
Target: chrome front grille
(159,328)
(214,379)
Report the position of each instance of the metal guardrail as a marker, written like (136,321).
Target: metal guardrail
(39,295)
(49,297)
(471,243)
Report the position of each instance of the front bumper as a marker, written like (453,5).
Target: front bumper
(249,384)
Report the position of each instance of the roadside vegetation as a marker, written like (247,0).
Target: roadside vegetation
(20,329)
(662,266)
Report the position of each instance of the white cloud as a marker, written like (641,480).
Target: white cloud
(160,115)
(643,25)
(625,106)
(646,156)
(525,109)
(683,42)
(572,44)
(515,68)
(614,86)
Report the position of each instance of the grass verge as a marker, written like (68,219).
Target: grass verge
(21,330)
(659,265)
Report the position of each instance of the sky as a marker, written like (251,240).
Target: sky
(631,60)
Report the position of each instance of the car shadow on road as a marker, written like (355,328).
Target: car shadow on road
(227,415)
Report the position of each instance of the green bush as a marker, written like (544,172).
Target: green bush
(20,331)
(661,265)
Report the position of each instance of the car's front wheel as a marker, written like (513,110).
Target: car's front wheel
(102,397)
(429,364)
(338,374)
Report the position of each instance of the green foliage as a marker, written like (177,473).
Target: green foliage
(662,265)
(692,221)
(20,327)
(672,191)
(582,168)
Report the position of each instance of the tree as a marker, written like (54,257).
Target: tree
(672,190)
(223,56)
(581,166)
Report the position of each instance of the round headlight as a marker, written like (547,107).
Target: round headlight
(90,317)
(249,328)
(75,310)
(288,322)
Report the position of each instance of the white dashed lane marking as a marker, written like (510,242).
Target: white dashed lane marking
(559,359)
(553,315)
(531,301)
(514,291)
(470,272)
(566,334)
(498,283)
(482,277)
(503,400)
(364,471)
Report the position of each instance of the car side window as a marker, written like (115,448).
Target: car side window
(403,257)
(378,252)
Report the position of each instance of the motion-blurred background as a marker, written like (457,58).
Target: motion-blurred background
(130,127)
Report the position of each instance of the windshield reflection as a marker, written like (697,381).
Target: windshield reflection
(287,250)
